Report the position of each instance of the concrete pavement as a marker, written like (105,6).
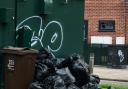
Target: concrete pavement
(111,74)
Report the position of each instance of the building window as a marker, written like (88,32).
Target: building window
(126,1)
(107,25)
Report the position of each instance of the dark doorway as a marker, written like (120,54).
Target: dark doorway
(86,30)
(86,47)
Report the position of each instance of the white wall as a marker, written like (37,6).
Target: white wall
(120,40)
(101,40)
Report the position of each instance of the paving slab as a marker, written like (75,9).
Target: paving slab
(110,73)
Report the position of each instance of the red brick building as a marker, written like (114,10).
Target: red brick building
(107,21)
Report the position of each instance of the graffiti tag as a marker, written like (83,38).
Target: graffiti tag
(42,31)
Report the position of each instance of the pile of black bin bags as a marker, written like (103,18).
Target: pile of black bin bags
(69,73)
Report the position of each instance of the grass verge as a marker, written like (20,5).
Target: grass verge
(106,85)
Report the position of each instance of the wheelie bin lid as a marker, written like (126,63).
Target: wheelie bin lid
(18,51)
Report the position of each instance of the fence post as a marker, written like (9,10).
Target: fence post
(91,63)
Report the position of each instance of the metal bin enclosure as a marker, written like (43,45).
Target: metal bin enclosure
(19,65)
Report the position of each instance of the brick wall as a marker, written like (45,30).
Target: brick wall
(96,10)
(126,16)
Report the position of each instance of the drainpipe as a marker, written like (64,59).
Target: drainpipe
(15,19)
(125,15)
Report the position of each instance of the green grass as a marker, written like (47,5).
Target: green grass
(106,85)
